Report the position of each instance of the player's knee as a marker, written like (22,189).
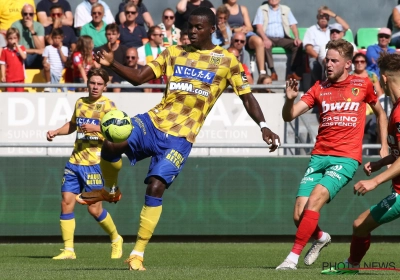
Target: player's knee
(95,209)
(156,187)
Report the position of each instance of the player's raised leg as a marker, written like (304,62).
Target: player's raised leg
(111,164)
(67,225)
(106,222)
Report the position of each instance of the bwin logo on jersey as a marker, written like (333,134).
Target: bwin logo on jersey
(339,106)
(336,167)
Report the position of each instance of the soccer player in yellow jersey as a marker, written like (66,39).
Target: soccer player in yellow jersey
(82,171)
(197,75)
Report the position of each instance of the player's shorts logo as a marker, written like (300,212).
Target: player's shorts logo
(355,91)
(309,171)
(336,167)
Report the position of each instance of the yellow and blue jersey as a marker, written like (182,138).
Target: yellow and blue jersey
(88,145)
(196,79)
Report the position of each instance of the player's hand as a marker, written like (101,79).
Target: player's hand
(3,79)
(271,139)
(370,167)
(104,58)
(51,134)
(292,89)
(364,186)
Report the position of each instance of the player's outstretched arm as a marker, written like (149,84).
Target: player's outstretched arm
(290,111)
(66,129)
(371,167)
(254,111)
(134,76)
(382,122)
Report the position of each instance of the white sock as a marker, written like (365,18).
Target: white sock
(293,257)
(115,240)
(140,254)
(69,249)
(323,237)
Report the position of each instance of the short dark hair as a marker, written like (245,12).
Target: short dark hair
(357,55)
(151,30)
(57,32)
(57,6)
(112,27)
(205,12)
(98,72)
(389,62)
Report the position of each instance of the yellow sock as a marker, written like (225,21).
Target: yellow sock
(110,172)
(148,221)
(67,232)
(108,225)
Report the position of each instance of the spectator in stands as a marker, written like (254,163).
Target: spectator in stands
(374,51)
(238,42)
(360,70)
(69,39)
(319,35)
(239,21)
(82,60)
(113,45)
(11,11)
(264,79)
(396,27)
(43,10)
(12,60)
(132,34)
(185,7)
(31,37)
(150,51)
(3,43)
(83,13)
(222,35)
(171,33)
(131,59)
(184,38)
(142,17)
(274,22)
(97,27)
(337,32)
(54,58)
(249,77)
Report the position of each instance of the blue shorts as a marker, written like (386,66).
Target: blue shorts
(168,153)
(81,177)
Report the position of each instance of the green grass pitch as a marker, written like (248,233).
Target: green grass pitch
(181,261)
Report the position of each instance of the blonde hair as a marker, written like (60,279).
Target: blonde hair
(344,48)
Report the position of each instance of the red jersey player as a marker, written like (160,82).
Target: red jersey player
(337,153)
(12,61)
(388,209)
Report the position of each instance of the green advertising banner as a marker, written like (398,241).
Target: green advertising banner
(212,196)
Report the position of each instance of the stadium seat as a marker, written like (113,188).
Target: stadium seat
(348,36)
(33,76)
(367,37)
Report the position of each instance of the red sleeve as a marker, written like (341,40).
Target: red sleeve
(77,58)
(246,70)
(309,96)
(370,96)
(3,56)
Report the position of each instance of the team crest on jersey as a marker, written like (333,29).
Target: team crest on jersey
(99,107)
(215,60)
(355,91)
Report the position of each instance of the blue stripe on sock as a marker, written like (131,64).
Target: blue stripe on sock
(102,216)
(152,201)
(68,216)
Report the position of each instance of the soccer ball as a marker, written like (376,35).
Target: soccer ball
(116,126)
